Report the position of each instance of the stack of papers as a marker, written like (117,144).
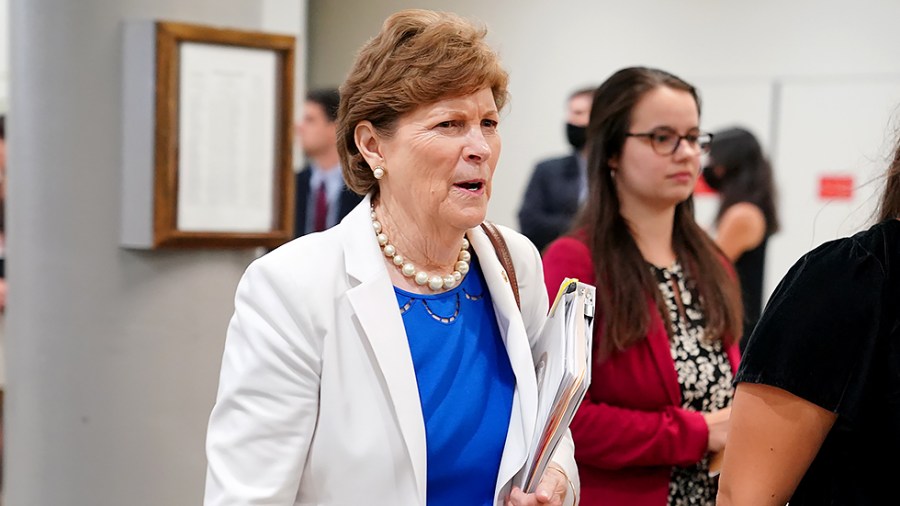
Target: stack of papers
(563,369)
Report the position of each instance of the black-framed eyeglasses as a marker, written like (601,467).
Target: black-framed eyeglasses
(665,141)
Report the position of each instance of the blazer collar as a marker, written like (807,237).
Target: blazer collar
(660,350)
(372,297)
(512,329)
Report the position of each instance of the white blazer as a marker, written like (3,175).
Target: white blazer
(318,402)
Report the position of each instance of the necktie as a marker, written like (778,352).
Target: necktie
(321,209)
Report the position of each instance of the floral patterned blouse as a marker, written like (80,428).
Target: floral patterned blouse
(704,376)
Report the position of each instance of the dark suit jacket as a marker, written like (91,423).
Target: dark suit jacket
(346,202)
(551,200)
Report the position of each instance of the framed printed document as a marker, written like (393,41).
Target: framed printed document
(221,114)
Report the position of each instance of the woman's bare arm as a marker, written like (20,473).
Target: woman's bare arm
(774,436)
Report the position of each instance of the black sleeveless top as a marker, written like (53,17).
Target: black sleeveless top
(750,269)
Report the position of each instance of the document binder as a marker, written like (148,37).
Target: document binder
(563,369)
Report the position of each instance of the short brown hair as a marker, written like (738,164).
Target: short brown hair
(418,58)
(328,98)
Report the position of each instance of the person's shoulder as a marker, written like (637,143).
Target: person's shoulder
(870,248)
(303,175)
(569,256)
(576,241)
(741,228)
(519,242)
(880,241)
(515,240)
(568,248)
(304,259)
(524,255)
(745,213)
(555,163)
(878,237)
(872,240)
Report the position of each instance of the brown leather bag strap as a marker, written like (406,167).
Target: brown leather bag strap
(502,251)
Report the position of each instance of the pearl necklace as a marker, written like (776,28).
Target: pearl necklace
(422,278)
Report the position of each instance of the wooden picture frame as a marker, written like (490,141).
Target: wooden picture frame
(212,192)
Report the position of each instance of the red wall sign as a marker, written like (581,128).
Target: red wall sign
(701,188)
(836,187)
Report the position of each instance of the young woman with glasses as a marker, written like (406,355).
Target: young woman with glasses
(669,306)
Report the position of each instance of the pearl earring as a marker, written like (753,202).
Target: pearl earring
(378,172)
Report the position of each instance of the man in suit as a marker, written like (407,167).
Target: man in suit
(322,198)
(558,186)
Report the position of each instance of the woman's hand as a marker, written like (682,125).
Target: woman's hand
(718,423)
(551,491)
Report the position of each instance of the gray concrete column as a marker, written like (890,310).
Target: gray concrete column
(112,355)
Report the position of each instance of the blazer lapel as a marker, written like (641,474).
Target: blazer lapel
(658,340)
(512,329)
(375,306)
(301,189)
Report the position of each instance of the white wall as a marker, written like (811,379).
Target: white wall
(737,52)
(289,16)
(112,355)
(830,127)
(4,55)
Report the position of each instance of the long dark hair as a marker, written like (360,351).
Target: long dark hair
(747,174)
(890,199)
(624,281)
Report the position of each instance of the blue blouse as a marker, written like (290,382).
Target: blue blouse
(465,385)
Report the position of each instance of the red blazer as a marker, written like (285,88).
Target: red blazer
(630,429)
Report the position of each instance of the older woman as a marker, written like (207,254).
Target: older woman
(385,361)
